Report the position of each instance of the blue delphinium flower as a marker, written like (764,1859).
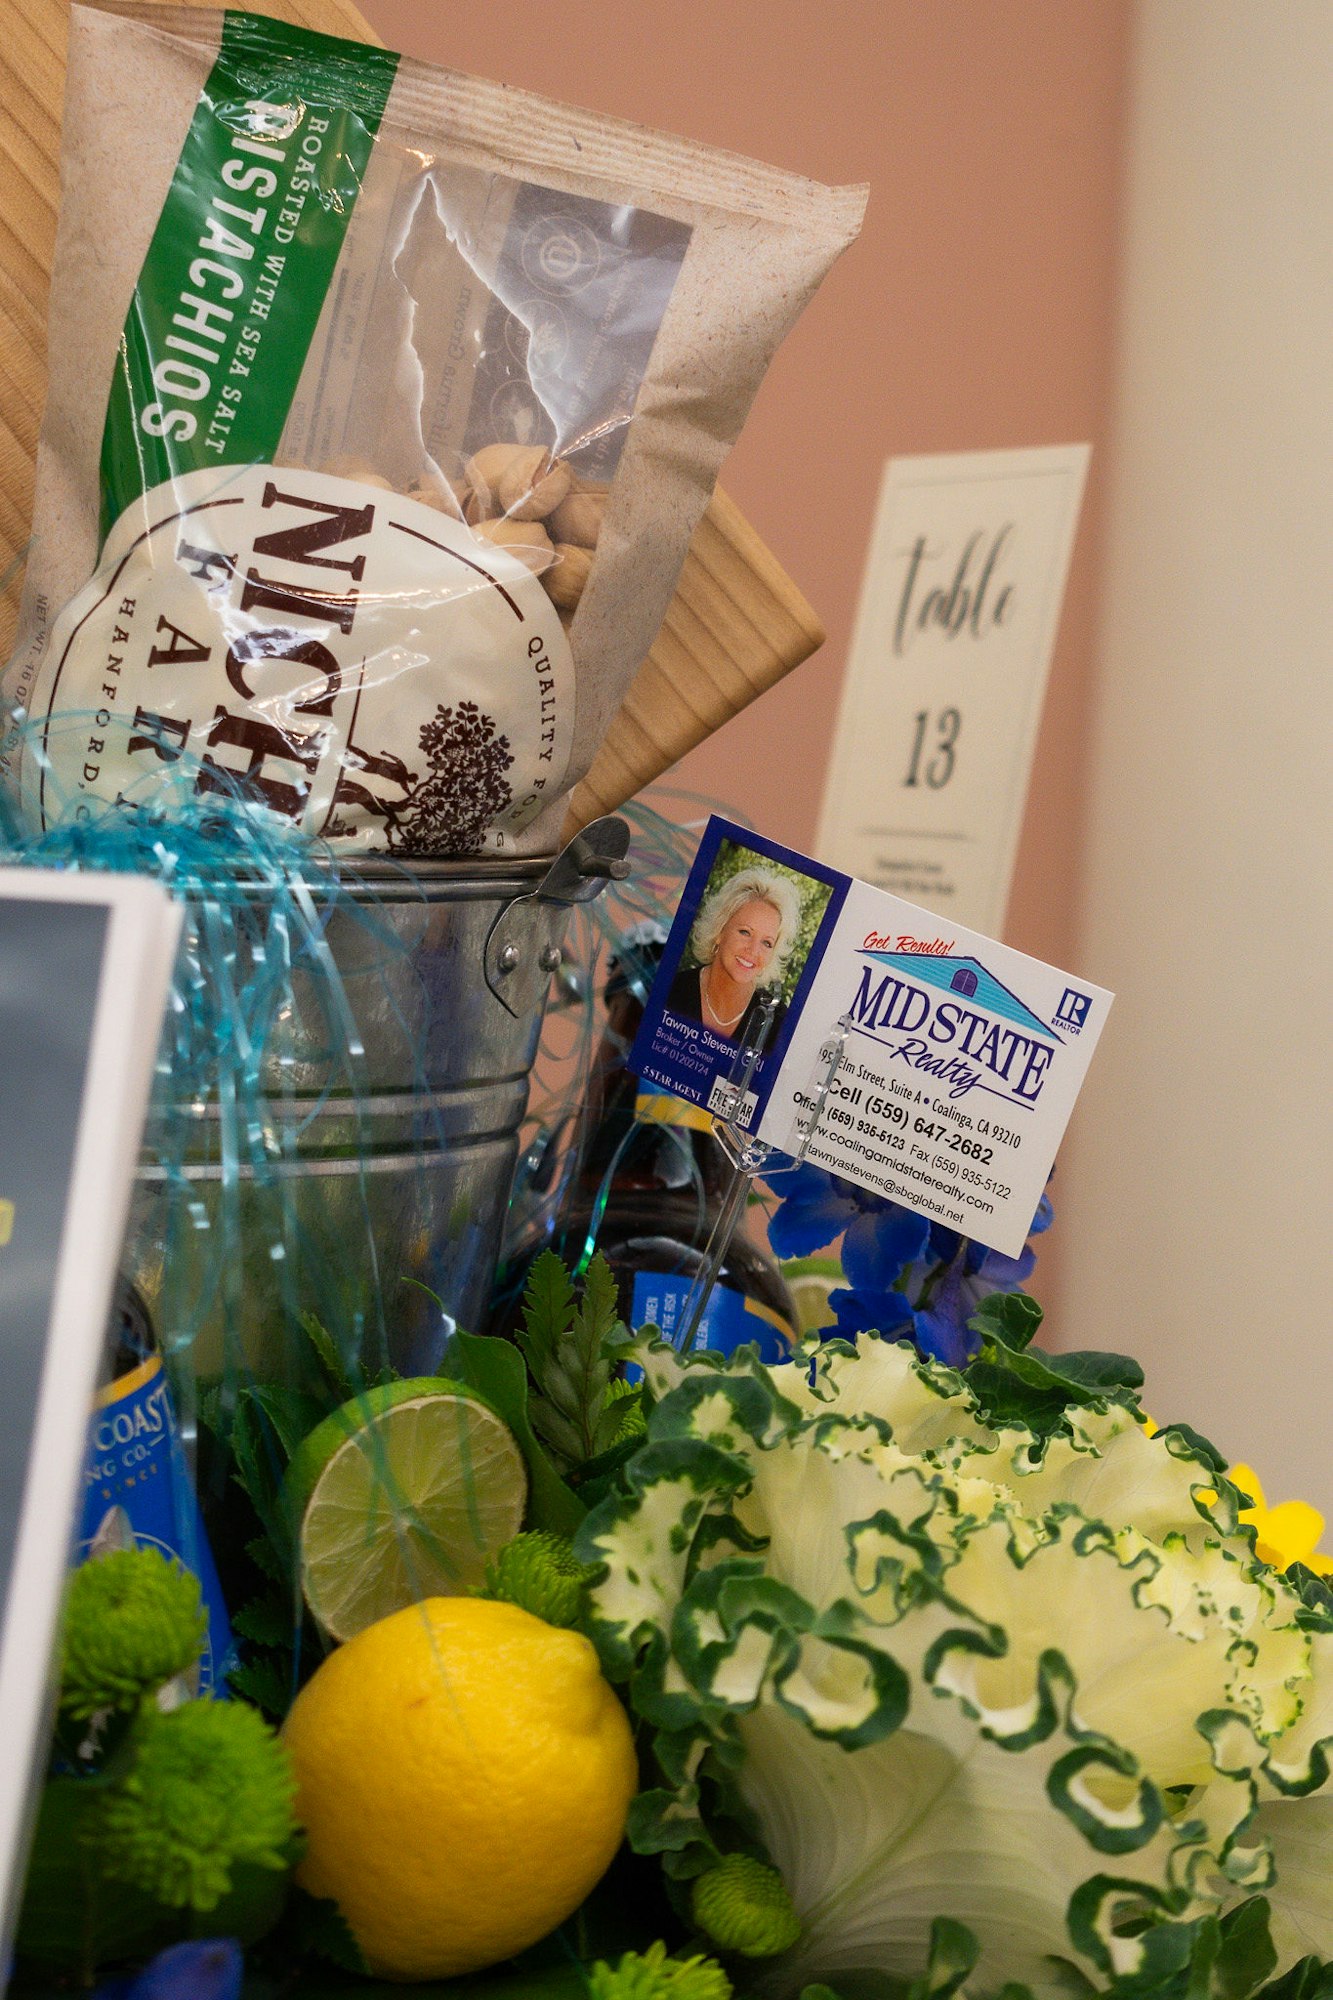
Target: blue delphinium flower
(815,1206)
(202,1969)
(881,1243)
(905,1274)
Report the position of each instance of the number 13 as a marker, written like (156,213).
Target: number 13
(939,768)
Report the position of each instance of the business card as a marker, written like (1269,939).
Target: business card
(938,715)
(898,1049)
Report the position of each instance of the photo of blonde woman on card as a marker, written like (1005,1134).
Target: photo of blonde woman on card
(739,951)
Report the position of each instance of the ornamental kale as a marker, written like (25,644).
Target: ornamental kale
(1029,1691)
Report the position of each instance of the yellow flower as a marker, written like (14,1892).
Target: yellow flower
(1288,1533)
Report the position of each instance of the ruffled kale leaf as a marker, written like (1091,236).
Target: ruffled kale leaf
(1015,1382)
(1026,1678)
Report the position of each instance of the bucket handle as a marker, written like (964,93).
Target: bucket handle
(517,967)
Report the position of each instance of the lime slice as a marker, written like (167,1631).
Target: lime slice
(810,1280)
(406,1492)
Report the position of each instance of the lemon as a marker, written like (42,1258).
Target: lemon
(406,1492)
(464,1775)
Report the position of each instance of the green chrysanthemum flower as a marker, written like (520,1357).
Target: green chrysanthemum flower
(743,1905)
(540,1573)
(133,1621)
(210,1786)
(651,1975)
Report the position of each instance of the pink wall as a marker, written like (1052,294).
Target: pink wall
(975,311)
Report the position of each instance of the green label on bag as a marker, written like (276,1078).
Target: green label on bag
(242,256)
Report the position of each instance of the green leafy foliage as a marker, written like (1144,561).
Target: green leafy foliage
(291,1413)
(954,1952)
(560,1979)
(1245,1955)
(324,1348)
(71,1919)
(268,1620)
(319,1927)
(256,1428)
(265,1682)
(1309,1979)
(548,1312)
(1015,1382)
(1009,1317)
(496,1371)
(564,1341)
(1316,1593)
(261,1552)
(259,1425)
(633,1416)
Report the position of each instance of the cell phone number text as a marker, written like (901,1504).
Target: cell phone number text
(950,1151)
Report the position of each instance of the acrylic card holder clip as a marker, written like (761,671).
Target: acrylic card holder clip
(733,1104)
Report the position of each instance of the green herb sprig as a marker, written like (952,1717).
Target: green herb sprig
(566,1343)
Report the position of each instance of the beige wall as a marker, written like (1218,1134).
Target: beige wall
(974,312)
(1199,1186)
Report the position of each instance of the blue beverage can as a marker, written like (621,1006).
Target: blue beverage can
(138,1492)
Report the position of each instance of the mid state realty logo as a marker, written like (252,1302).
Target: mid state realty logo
(947,1016)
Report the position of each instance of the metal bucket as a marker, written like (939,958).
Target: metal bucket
(383,1208)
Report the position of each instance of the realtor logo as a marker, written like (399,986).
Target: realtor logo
(1072,1013)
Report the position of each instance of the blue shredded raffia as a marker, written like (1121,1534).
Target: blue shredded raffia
(258,896)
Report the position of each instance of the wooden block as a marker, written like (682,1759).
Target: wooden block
(736,625)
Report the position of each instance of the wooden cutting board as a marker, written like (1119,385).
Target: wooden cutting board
(736,625)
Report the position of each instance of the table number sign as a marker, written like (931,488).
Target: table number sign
(939,710)
(85,962)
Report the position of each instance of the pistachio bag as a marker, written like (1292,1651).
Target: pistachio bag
(383,404)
